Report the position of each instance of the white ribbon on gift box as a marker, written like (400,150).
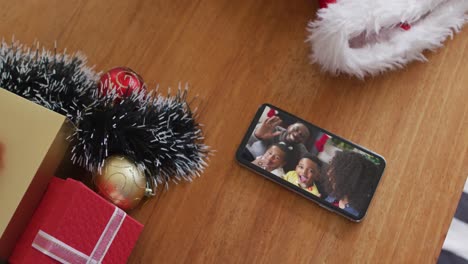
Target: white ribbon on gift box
(63,253)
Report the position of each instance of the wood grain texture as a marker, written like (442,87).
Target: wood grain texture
(239,54)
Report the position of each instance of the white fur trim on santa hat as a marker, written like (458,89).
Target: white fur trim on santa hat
(375,26)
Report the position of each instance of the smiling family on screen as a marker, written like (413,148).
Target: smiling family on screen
(335,171)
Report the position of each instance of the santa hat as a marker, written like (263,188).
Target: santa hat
(367,37)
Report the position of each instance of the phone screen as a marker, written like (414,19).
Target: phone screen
(311,161)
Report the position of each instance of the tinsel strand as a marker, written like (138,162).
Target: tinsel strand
(158,132)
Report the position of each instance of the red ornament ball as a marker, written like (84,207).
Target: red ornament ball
(122,79)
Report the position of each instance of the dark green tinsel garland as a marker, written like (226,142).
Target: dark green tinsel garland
(159,133)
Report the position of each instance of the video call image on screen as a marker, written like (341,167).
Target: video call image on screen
(322,165)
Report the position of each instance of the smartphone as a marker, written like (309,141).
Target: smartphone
(339,175)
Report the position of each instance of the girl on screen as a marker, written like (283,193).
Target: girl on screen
(352,178)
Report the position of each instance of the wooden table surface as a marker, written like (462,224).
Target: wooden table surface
(237,55)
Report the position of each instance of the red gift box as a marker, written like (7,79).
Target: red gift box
(75,225)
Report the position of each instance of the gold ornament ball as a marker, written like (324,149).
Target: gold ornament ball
(121,182)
